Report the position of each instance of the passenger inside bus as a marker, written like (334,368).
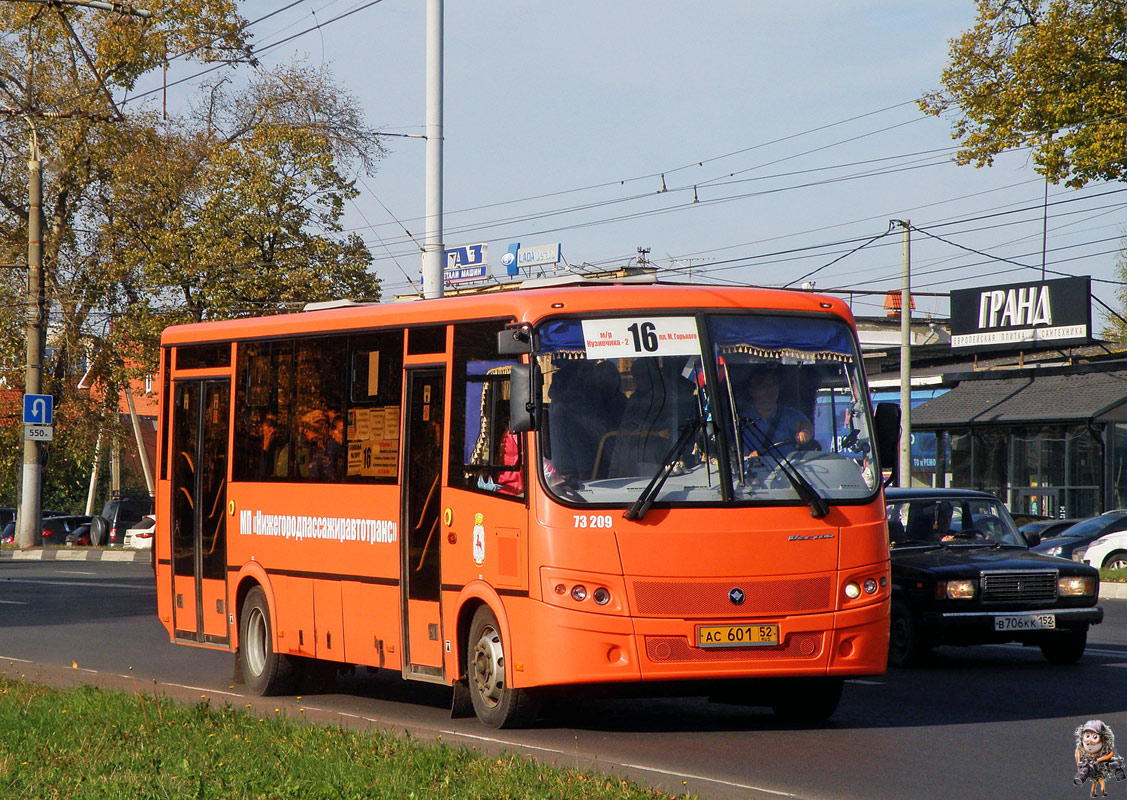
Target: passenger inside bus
(586,405)
(661,403)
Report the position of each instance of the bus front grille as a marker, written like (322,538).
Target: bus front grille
(775,596)
(667,649)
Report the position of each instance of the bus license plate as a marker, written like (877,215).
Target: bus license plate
(737,635)
(1025,622)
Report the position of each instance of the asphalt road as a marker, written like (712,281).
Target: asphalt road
(990,722)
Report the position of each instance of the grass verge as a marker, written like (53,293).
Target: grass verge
(1113,575)
(88,743)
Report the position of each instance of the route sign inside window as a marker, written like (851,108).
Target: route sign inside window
(641,336)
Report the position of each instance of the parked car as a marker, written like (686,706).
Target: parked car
(1072,542)
(8,534)
(963,575)
(1108,552)
(7,515)
(140,536)
(118,516)
(1039,530)
(55,530)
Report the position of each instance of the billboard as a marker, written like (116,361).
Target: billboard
(1022,315)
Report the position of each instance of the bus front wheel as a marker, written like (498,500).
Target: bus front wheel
(496,703)
(265,671)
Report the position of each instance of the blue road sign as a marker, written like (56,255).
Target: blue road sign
(38,409)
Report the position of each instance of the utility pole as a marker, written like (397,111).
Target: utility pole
(434,255)
(906,356)
(30,508)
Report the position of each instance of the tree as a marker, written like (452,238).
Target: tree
(232,209)
(1048,74)
(1115,323)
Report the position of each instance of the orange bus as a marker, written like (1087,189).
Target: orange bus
(657,485)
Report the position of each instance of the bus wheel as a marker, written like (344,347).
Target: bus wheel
(496,703)
(808,700)
(264,671)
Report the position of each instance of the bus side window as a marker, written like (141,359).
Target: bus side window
(484,455)
(373,419)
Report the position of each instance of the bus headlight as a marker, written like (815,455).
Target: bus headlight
(579,592)
(601,596)
(852,590)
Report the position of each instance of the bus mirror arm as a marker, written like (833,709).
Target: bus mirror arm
(887,422)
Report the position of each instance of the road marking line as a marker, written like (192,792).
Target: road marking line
(13,602)
(196,688)
(601,760)
(17,660)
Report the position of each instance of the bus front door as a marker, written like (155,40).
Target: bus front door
(421,504)
(199,510)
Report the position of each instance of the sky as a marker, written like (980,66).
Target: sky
(737,142)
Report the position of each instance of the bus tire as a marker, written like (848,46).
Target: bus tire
(807,700)
(265,671)
(495,702)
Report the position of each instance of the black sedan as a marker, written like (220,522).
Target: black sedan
(1073,541)
(963,575)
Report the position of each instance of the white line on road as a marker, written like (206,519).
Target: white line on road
(17,660)
(13,602)
(195,688)
(602,760)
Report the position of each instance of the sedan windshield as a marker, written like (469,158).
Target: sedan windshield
(636,411)
(951,521)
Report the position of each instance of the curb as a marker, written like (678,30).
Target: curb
(73,554)
(1113,591)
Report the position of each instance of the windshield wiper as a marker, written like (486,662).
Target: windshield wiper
(805,490)
(646,498)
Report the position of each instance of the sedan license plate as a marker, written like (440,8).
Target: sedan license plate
(738,635)
(1025,622)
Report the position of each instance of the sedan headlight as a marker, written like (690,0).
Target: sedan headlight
(956,590)
(1053,551)
(1076,586)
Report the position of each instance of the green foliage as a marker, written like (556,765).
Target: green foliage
(1049,74)
(1115,327)
(91,744)
(232,209)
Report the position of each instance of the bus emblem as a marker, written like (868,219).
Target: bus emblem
(736,595)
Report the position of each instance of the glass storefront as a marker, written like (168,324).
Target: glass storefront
(1048,470)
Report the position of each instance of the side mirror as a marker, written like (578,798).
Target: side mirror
(1032,539)
(887,421)
(515,340)
(523,412)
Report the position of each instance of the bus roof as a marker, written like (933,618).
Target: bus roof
(526,305)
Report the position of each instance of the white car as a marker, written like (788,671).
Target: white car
(1108,552)
(140,536)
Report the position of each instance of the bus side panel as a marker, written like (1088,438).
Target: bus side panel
(329,631)
(497,553)
(371,624)
(296,630)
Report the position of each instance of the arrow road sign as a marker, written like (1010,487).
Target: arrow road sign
(38,409)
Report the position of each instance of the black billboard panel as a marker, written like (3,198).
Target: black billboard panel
(1023,315)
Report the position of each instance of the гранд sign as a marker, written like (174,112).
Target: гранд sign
(1023,315)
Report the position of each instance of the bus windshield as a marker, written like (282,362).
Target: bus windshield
(773,412)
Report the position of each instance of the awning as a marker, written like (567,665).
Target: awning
(1047,399)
